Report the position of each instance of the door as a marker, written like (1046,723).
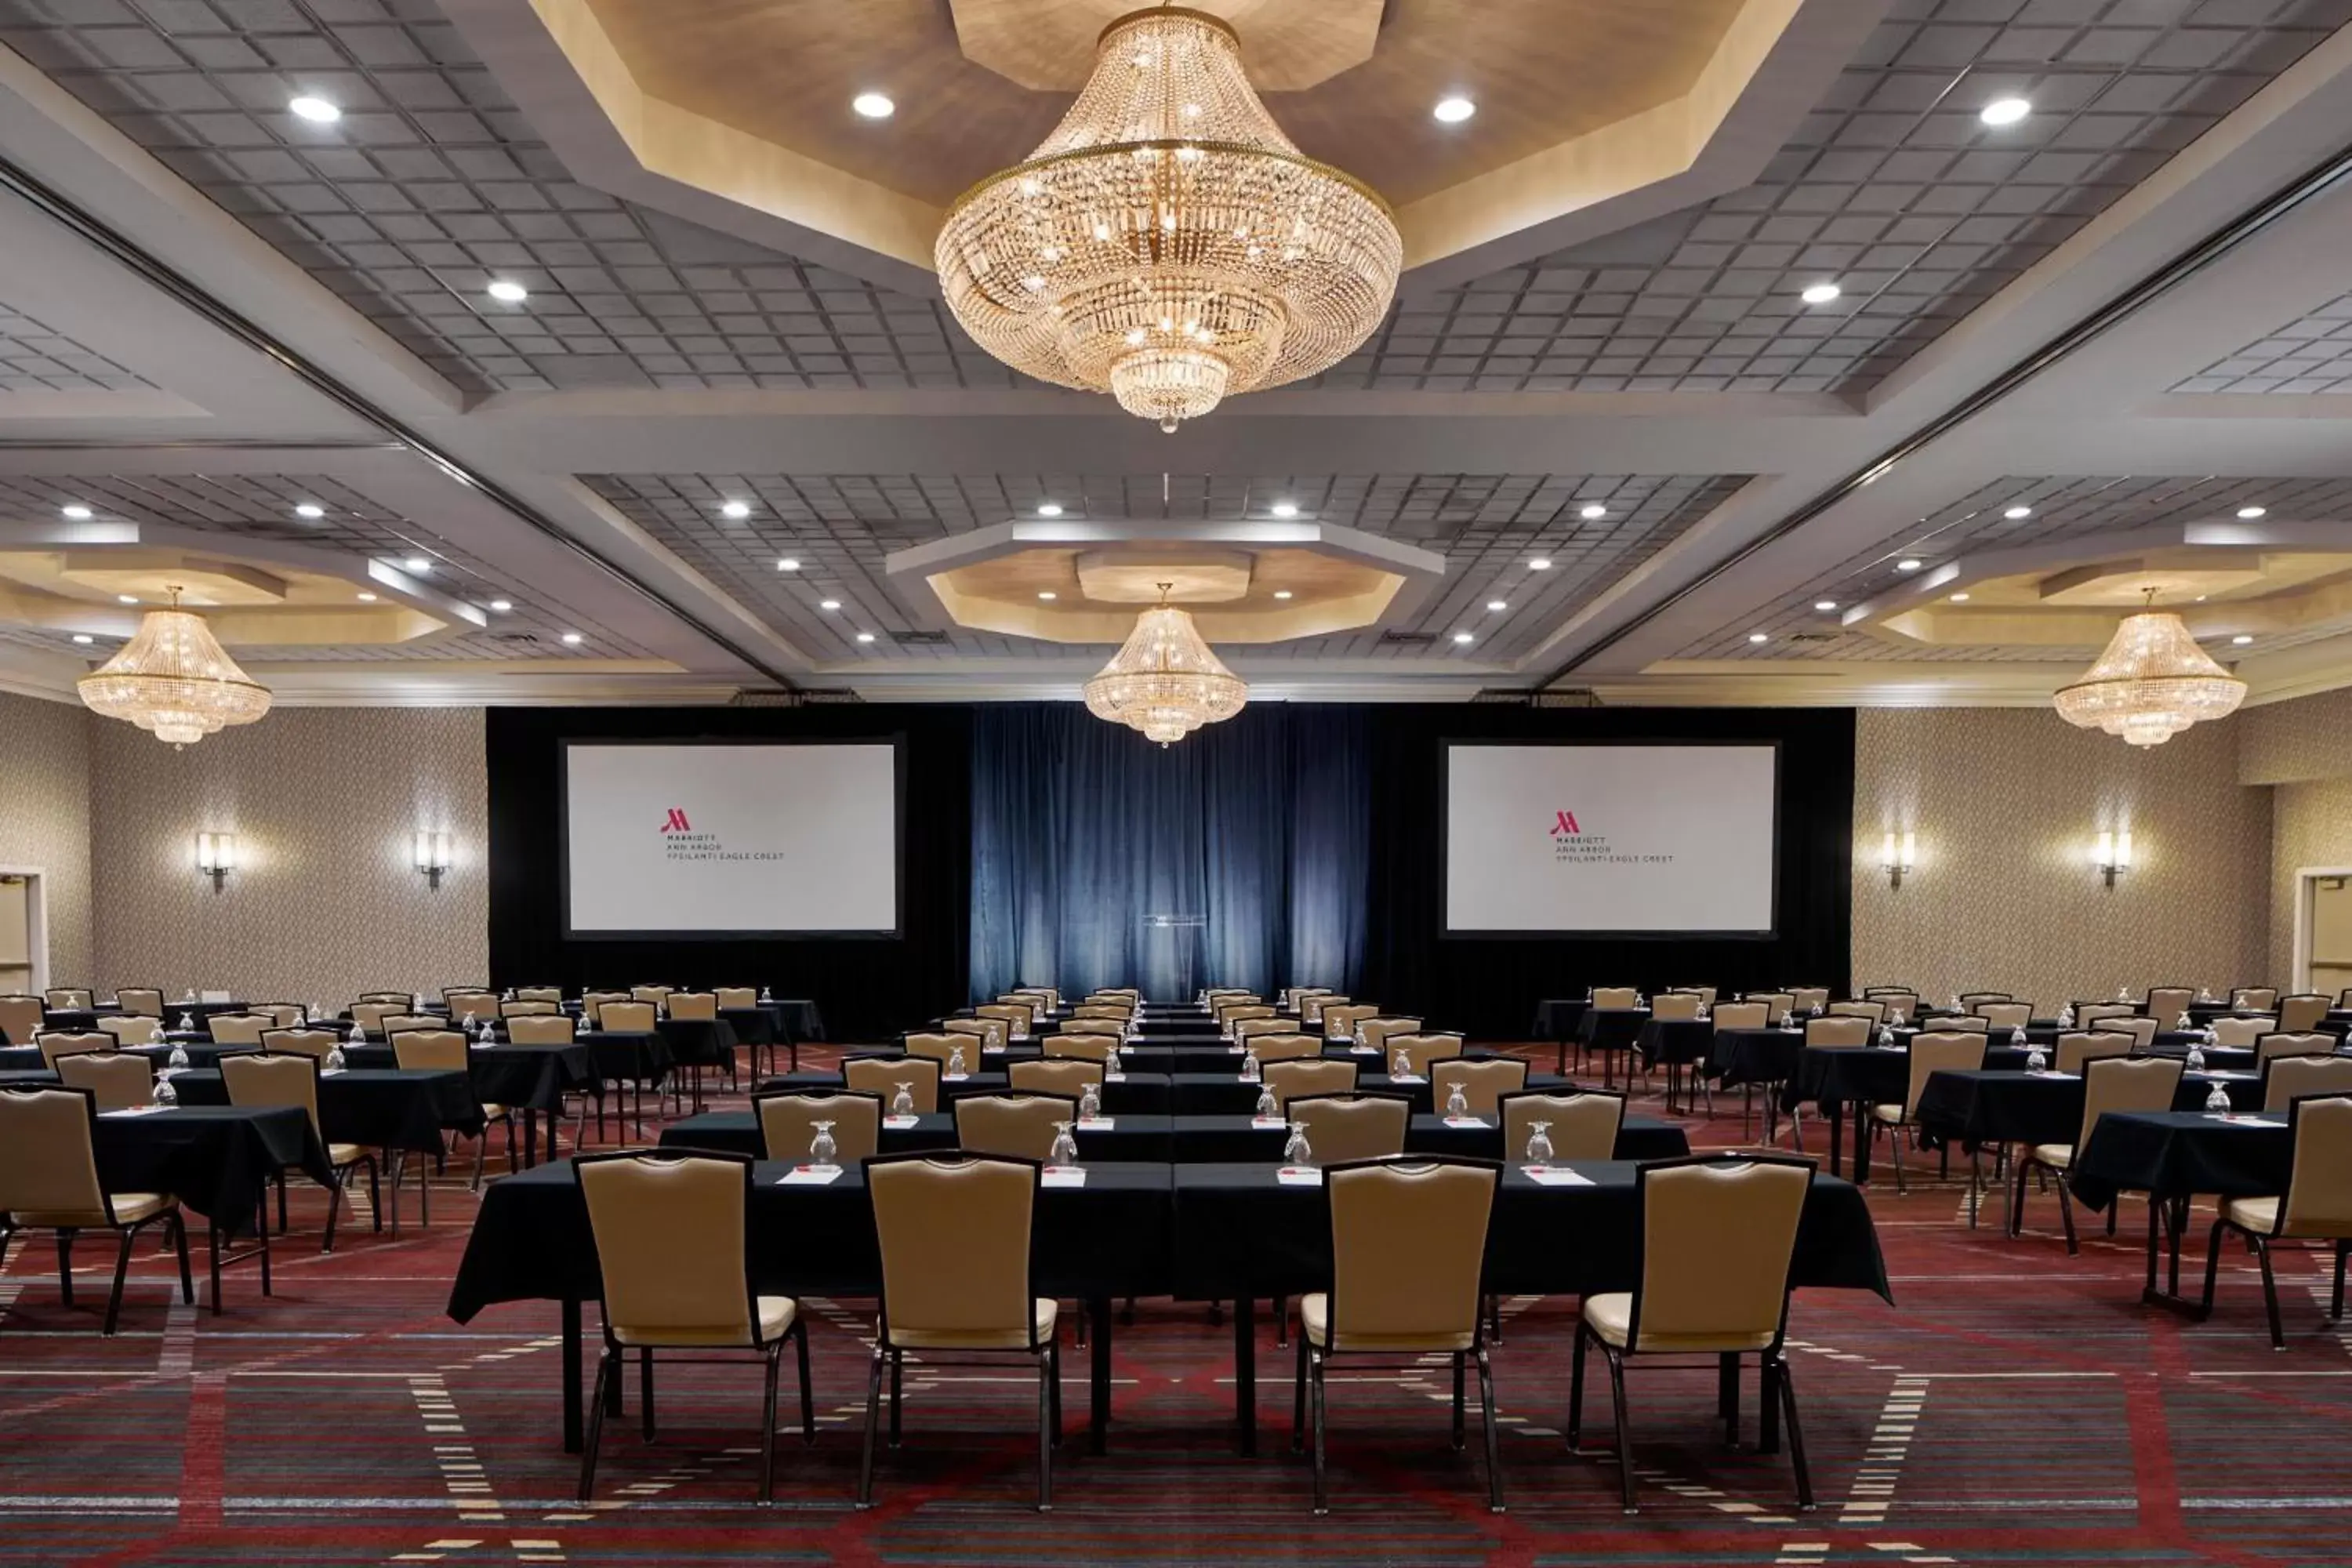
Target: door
(2331,934)
(18,966)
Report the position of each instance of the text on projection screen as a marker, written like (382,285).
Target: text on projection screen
(1609,839)
(732,838)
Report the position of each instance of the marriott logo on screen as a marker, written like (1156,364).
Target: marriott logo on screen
(1572,842)
(675,821)
(1563,821)
(681,842)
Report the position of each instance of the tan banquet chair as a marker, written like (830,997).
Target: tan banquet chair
(1339,1023)
(1932,1051)
(294,1081)
(1112,1012)
(1953,1023)
(2077,1051)
(21,1019)
(1286,1048)
(2005,1016)
(312,1043)
(1105,1028)
(136,1031)
(2239,1033)
(788,1124)
(121,1081)
(1676,1006)
(147,1000)
(1805,998)
(2286,1080)
(1350,1126)
(993,1034)
(1017,1019)
(2141,1030)
(2298,1015)
(392,1024)
(943,1048)
(1581,1125)
(2116,1083)
(2271,1048)
(539,993)
(1616,996)
(1777,1005)
(1717,1239)
(49,1181)
(883,1077)
(1484,1083)
(2090,1014)
(1014,1126)
(2253,998)
(57,1046)
(1378,1031)
(1419,1051)
(2316,1206)
(2166,1003)
(1833,1031)
(1872,1009)
(592,1003)
(656,995)
(670,1236)
(1062,1076)
(1291,1080)
(520,1009)
(957,1280)
(239,1028)
(1408,1241)
(1080,1046)
(698,1006)
(444,1050)
(69,998)
(540,1029)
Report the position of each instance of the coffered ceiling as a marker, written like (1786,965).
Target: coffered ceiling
(1628,385)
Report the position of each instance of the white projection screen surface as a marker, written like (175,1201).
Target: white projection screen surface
(722,840)
(1610,839)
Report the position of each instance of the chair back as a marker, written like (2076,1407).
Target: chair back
(1741,1015)
(2253,998)
(670,1236)
(1290,1080)
(1975,1023)
(1311,1006)
(2141,1030)
(1343,1127)
(239,1028)
(992,1033)
(1705,994)
(2166,1003)
(1106,1028)
(394,1023)
(788,1124)
(2297,1015)
(1902,1006)
(1114,1011)
(1717,1239)
(2126,1084)
(1384,1027)
(1017,1019)
(312,1043)
(740,999)
(1805,998)
(2270,1047)
(1939,1050)
(1870,1008)
(135,1030)
(69,998)
(1421,1050)
(2091,1012)
(284,1015)
(1061,1075)
(1616,996)
(1408,1244)
(1123,993)
(539,993)
(1339,1023)
(542,1029)
(468,1005)
(1834,1031)
(1248,1029)
(651,993)
(2286,1080)
(1675,1006)
(592,1004)
(1080,1045)
(1970,998)
(2319,1197)
(1584,1124)
(2004,1015)
(431,1050)
(1484,1083)
(55,1047)
(626,1017)
(941,1048)
(531,1009)
(1777,1004)
(881,1075)
(693,1004)
(20,1018)
(147,1000)
(273,1081)
(370,1016)
(1017,1126)
(2077,1049)
(1284,1047)
(2239,1033)
(48,1152)
(954,1238)
(120,1079)
(403,1000)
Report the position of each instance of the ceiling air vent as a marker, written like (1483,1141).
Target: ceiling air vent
(919,639)
(1409,639)
(1813,636)
(527,639)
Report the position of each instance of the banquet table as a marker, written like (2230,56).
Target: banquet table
(1214,1231)
(2007,1106)
(1138,1094)
(375,1107)
(1118,1139)
(526,1079)
(1605,1031)
(2173,1155)
(1557,1019)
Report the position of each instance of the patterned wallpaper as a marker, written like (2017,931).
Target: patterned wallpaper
(2308,738)
(326,901)
(45,819)
(2007,803)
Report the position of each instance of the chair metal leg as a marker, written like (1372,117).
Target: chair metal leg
(1298,1401)
(1895,1152)
(1796,1438)
(1461,1367)
(606,1372)
(2335,1302)
(1575,1383)
(376,1194)
(1282,1324)
(2066,1214)
(645,1393)
(1046,1380)
(482,1150)
(122,1274)
(873,1419)
(180,1244)
(808,1396)
(1625,1429)
(1053,1354)
(767,1427)
(2213,1266)
(1486,1422)
(897,1395)
(2270,1293)
(334,1203)
(1319,1410)
(65,1267)
(1726,1398)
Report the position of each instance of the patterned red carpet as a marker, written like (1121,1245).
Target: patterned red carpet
(2017,1407)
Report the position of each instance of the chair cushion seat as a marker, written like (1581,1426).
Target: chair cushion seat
(1892,1115)
(2257,1214)
(130,1208)
(342,1154)
(776,1315)
(1612,1315)
(1315,1318)
(975,1339)
(492,1112)
(2057,1156)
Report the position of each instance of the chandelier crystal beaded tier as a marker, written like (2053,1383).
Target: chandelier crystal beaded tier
(1167,244)
(1165,681)
(2152,682)
(174,679)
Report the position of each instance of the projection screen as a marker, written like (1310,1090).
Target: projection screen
(720,839)
(1610,839)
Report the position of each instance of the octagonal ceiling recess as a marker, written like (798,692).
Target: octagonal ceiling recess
(1592,114)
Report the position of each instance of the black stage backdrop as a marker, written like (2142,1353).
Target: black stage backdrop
(1486,986)
(866,987)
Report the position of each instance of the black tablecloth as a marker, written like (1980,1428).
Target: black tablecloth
(531,1077)
(2175,1154)
(699,1042)
(375,1107)
(1662,1041)
(216,1158)
(1558,1017)
(2013,1107)
(1227,1094)
(626,1056)
(1118,1139)
(1139,1094)
(1610,1029)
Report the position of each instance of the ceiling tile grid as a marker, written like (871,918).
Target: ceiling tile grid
(839,530)
(1894,190)
(2058,510)
(2310,355)
(262,506)
(35,358)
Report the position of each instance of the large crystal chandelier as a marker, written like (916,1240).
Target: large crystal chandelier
(1164,680)
(1167,244)
(2151,683)
(174,679)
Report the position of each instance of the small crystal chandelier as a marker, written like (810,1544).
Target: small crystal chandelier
(1167,244)
(1164,680)
(175,679)
(2151,683)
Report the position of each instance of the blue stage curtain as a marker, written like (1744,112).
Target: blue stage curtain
(1236,857)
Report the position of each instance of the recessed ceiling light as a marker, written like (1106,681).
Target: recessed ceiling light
(828,603)
(1907,564)
(1498,606)
(318,111)
(1462,637)
(2004,112)
(1282,593)
(507,291)
(1592,512)
(1286,508)
(1541,563)
(502,606)
(126,598)
(1049,509)
(873,106)
(76,513)
(2242,639)
(366,597)
(1047,594)
(1825,604)
(1758,636)
(83,636)
(416,563)
(2015,512)
(2251,512)
(310,510)
(572,638)
(865,637)
(1959,598)
(1819,293)
(1454,110)
(735,509)
(789,563)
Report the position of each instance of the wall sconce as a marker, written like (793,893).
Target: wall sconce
(432,855)
(2112,853)
(216,856)
(1897,853)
